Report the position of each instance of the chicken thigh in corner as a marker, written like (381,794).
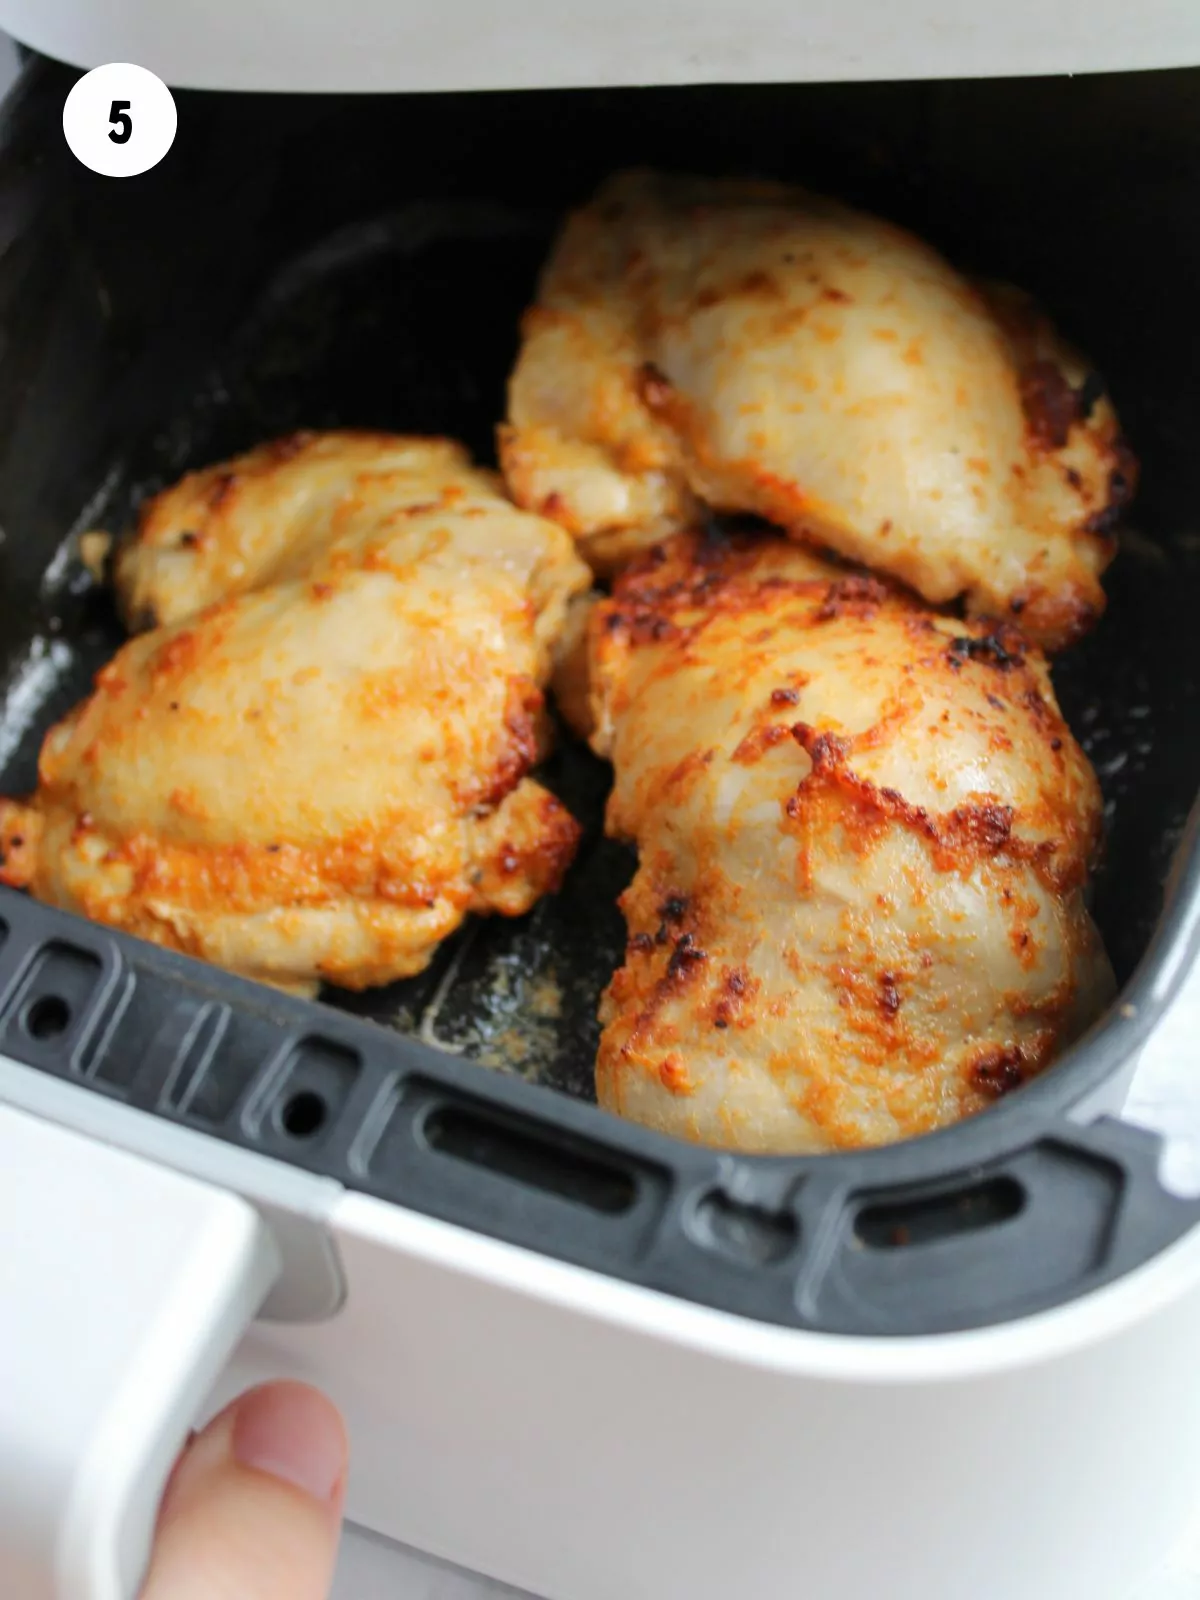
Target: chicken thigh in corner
(863,831)
(757,349)
(317,765)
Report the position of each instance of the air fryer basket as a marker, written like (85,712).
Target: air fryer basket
(299,262)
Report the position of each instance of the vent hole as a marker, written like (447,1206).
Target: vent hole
(304,1114)
(565,1172)
(745,1232)
(897,1225)
(48,1017)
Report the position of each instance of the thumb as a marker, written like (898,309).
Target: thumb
(254,1507)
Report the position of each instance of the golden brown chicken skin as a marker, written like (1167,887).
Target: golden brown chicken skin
(318,778)
(863,833)
(239,524)
(760,349)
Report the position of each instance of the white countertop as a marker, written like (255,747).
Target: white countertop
(372,1569)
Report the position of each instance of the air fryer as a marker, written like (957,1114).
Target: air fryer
(169,320)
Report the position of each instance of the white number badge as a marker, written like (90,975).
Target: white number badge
(120,120)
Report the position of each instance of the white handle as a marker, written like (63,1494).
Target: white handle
(124,1288)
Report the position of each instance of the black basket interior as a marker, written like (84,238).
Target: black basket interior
(315,262)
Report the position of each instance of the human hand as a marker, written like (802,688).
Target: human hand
(253,1508)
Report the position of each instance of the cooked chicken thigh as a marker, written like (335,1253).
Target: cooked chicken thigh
(763,350)
(320,777)
(243,523)
(863,832)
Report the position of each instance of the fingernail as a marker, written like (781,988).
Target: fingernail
(291,1432)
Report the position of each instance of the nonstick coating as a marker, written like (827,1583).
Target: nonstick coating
(407,320)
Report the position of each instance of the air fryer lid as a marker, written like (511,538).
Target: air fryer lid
(178,318)
(315,46)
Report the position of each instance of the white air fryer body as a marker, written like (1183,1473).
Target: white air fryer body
(578,1437)
(582,1438)
(313,47)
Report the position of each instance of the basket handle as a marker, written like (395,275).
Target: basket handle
(124,1288)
